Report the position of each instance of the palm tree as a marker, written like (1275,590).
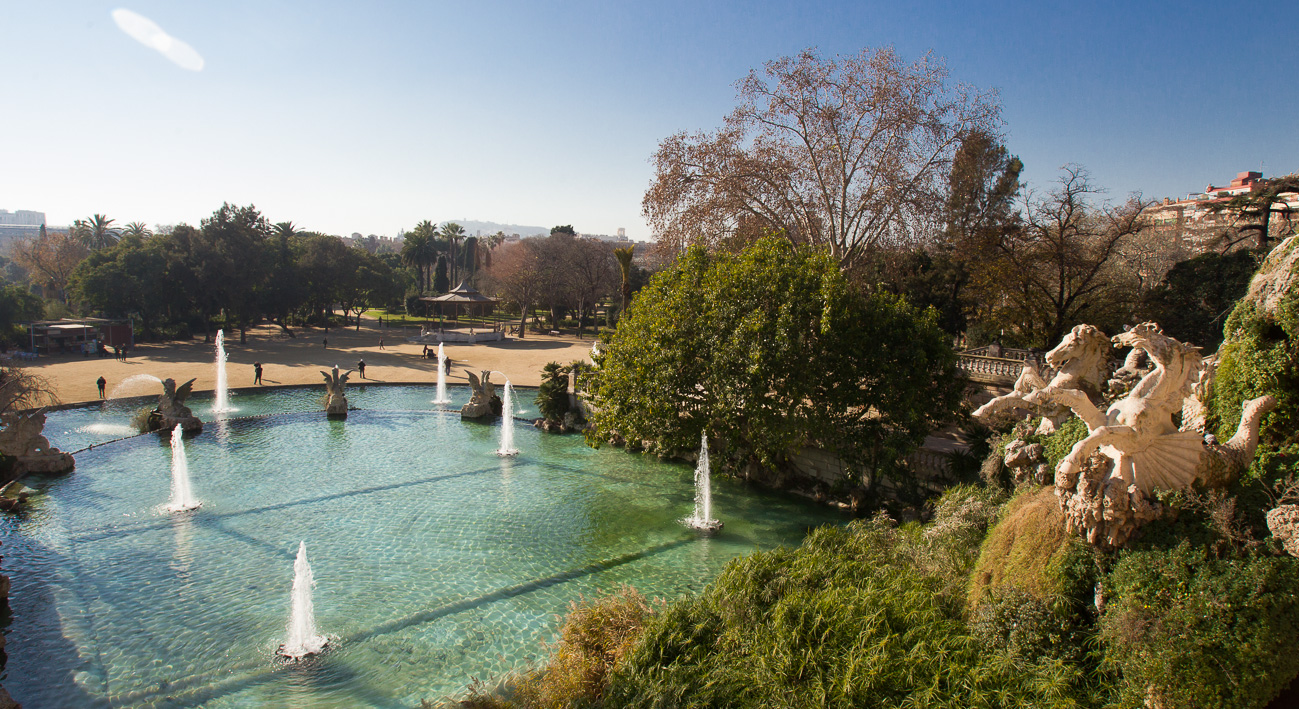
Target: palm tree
(96,233)
(412,254)
(624,267)
(453,233)
(138,230)
(285,229)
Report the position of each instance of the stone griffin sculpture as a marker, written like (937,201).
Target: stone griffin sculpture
(335,400)
(1080,361)
(1135,446)
(484,401)
(171,409)
(21,439)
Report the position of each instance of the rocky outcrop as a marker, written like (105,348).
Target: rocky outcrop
(1283,521)
(21,440)
(1026,462)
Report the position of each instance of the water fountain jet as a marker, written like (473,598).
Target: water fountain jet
(302,637)
(182,498)
(442,397)
(222,405)
(507,422)
(702,519)
(126,385)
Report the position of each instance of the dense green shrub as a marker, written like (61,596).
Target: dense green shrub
(863,616)
(552,395)
(1190,630)
(1260,355)
(770,350)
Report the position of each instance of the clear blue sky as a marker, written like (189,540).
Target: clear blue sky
(360,116)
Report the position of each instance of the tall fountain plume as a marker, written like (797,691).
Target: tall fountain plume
(703,516)
(182,498)
(507,422)
(442,397)
(222,404)
(302,637)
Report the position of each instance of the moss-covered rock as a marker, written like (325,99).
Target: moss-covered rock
(1260,352)
(1029,549)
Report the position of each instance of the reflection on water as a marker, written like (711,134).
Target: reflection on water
(436,560)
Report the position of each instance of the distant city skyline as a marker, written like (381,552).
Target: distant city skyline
(343,117)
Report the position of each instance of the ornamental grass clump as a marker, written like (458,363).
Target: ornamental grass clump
(848,619)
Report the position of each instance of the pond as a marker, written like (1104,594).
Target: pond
(435,560)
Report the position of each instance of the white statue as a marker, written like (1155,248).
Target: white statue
(1140,445)
(335,399)
(1081,362)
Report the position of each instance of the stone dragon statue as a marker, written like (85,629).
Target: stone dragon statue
(335,398)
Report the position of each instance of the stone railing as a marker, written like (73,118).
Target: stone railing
(989,370)
(1006,353)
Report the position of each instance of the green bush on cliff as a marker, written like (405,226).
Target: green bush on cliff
(862,616)
(1190,630)
(1260,355)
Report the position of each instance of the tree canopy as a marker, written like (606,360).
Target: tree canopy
(770,350)
(847,153)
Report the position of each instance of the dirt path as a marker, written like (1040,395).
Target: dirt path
(299,360)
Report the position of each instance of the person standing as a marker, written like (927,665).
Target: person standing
(102,383)
(257,372)
(325,342)
(360,368)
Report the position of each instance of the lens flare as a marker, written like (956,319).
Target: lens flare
(148,33)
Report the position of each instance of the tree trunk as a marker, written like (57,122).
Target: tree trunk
(523,321)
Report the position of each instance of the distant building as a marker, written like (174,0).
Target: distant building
(1197,228)
(622,233)
(20,224)
(22,217)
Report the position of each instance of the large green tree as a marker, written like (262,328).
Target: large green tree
(771,350)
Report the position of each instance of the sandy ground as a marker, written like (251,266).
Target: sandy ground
(299,360)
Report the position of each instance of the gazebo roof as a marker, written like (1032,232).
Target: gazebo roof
(462,293)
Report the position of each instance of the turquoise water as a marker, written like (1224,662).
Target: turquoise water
(436,561)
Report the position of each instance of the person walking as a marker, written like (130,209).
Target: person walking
(325,342)
(257,372)
(360,368)
(102,383)
(425,355)
(380,343)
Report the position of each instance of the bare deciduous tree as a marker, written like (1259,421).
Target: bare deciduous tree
(849,152)
(1064,266)
(515,276)
(50,259)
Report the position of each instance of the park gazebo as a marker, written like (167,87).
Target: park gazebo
(462,299)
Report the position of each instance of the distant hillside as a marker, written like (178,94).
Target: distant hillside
(487,228)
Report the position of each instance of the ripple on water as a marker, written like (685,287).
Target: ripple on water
(435,560)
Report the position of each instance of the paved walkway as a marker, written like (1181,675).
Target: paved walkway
(299,360)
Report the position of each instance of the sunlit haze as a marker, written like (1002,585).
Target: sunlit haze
(369,117)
